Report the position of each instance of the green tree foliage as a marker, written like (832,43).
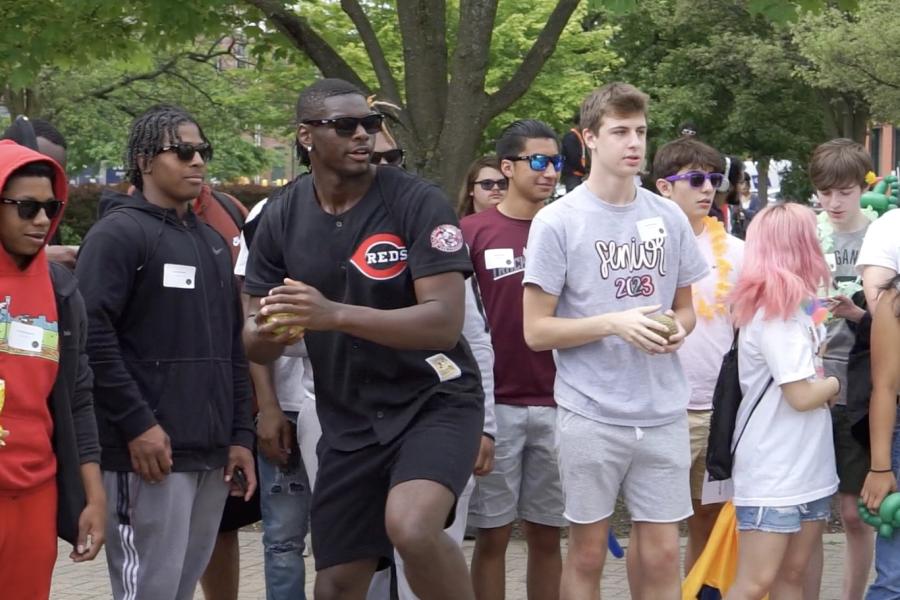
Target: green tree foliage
(94,104)
(778,11)
(455,68)
(583,60)
(854,53)
(722,68)
(727,69)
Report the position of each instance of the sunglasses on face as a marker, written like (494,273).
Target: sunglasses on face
(347,126)
(29,209)
(390,157)
(539,162)
(186,152)
(696,179)
(488,184)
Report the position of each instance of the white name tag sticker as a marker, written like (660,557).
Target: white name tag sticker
(182,277)
(445,368)
(29,338)
(716,492)
(499,258)
(831,259)
(651,229)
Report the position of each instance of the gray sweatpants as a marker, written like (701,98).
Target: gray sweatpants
(160,536)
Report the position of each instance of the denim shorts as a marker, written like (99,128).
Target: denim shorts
(782,519)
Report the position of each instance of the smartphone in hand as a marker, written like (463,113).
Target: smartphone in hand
(239,478)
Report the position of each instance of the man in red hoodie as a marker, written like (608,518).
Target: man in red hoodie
(50,480)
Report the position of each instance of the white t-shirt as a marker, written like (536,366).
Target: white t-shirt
(293,366)
(881,247)
(702,351)
(240,264)
(785,457)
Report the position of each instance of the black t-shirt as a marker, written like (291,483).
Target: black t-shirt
(401,230)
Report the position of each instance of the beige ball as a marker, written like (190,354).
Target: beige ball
(669,322)
(295,331)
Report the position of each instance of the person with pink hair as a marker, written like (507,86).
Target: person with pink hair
(784,467)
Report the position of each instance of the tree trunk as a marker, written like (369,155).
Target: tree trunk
(465,115)
(762,181)
(423,30)
(846,115)
(22,101)
(446,107)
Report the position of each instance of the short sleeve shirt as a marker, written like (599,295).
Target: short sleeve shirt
(292,368)
(881,248)
(702,351)
(403,229)
(601,258)
(522,377)
(841,336)
(785,457)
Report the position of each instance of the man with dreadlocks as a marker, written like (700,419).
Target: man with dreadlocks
(171,385)
(370,262)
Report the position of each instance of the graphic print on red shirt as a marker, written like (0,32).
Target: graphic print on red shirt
(496,242)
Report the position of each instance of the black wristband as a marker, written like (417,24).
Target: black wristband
(881,470)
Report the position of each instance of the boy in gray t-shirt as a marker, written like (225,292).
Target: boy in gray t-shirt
(601,261)
(837,169)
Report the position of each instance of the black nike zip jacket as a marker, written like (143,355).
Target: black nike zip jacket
(164,334)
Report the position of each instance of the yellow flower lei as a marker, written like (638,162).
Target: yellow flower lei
(719,241)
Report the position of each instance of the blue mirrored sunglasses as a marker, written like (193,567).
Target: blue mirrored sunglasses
(539,162)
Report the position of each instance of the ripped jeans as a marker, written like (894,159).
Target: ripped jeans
(284,502)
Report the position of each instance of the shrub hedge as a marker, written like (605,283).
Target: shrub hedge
(81,209)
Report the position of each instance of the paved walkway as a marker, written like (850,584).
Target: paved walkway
(89,581)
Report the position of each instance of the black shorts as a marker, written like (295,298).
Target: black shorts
(852,458)
(238,513)
(348,504)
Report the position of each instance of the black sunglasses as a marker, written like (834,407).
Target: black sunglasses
(186,152)
(346,126)
(488,184)
(393,157)
(29,209)
(539,162)
(696,179)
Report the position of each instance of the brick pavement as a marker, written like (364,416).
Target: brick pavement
(89,581)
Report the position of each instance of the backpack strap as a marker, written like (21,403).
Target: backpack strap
(752,409)
(734,348)
(228,204)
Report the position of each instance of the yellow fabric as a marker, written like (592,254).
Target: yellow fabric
(717,565)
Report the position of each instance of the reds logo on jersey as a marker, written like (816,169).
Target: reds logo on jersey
(381,256)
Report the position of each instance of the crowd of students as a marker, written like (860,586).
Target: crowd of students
(415,368)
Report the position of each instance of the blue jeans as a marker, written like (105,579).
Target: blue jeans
(782,519)
(284,503)
(887,552)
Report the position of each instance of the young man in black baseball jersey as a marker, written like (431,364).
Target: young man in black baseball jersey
(370,262)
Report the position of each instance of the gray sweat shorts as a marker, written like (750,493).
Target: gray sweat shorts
(524,482)
(650,465)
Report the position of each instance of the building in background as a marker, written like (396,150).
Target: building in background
(883,143)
